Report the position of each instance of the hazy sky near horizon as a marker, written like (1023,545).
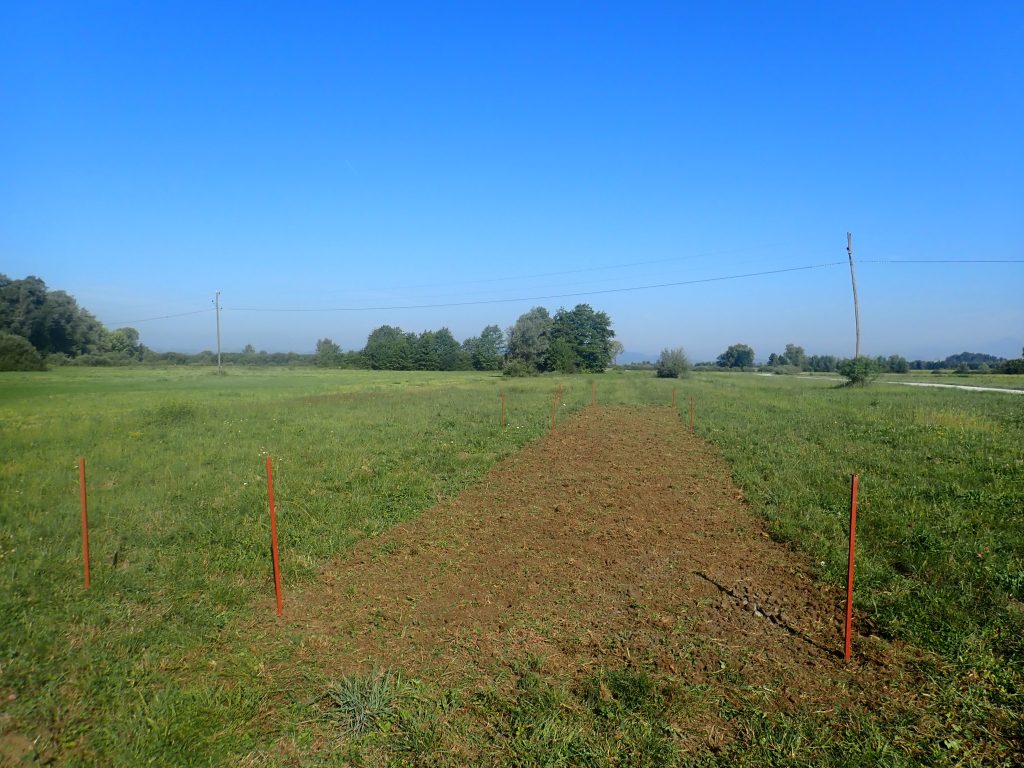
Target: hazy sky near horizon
(375,158)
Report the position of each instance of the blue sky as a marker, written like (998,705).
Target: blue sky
(315,156)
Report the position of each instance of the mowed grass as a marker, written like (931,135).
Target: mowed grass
(152,665)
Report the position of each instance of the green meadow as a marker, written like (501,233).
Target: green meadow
(154,664)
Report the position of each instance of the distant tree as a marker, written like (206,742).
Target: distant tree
(447,351)
(588,336)
(52,321)
(124,342)
(736,356)
(1013,366)
(795,356)
(18,354)
(487,351)
(822,363)
(972,359)
(774,360)
(425,354)
(251,350)
(530,337)
(327,355)
(389,348)
(615,348)
(897,364)
(672,364)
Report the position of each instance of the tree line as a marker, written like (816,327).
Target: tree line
(794,358)
(40,326)
(570,341)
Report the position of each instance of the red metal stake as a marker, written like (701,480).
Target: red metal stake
(554,406)
(593,393)
(673,397)
(691,414)
(849,573)
(273,537)
(502,411)
(85,519)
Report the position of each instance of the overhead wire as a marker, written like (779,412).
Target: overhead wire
(163,317)
(542,298)
(574,294)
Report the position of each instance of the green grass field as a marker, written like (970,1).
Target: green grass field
(151,666)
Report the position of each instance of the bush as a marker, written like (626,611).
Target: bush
(858,372)
(1012,366)
(673,364)
(518,368)
(786,370)
(18,354)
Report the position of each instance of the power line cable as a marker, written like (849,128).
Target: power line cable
(580,270)
(942,261)
(540,298)
(161,317)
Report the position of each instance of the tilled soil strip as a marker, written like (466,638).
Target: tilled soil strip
(617,539)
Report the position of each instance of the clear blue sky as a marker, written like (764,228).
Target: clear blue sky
(351,155)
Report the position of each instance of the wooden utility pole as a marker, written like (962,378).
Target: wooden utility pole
(216,304)
(856,304)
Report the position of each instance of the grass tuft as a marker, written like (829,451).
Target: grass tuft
(366,702)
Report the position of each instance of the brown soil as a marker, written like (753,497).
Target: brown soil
(617,539)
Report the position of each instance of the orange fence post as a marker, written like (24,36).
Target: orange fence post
(85,518)
(502,411)
(593,393)
(691,414)
(273,537)
(554,407)
(849,572)
(673,397)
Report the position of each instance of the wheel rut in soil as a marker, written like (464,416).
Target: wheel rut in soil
(617,539)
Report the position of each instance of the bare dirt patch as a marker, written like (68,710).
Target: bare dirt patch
(618,539)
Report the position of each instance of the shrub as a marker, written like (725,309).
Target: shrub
(518,368)
(1012,366)
(673,364)
(18,354)
(858,372)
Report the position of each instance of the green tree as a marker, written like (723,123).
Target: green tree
(328,354)
(1013,366)
(425,355)
(389,348)
(823,363)
(736,356)
(124,342)
(588,334)
(18,354)
(447,351)
(615,348)
(562,357)
(52,321)
(795,356)
(672,364)
(487,352)
(897,364)
(530,338)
